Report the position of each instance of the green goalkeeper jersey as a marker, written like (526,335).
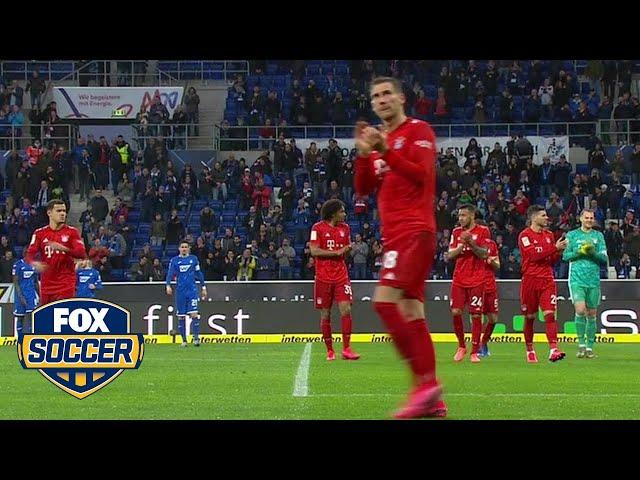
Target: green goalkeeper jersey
(584,268)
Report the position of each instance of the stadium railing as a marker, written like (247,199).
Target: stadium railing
(19,138)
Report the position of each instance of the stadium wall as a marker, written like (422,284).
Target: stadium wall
(273,309)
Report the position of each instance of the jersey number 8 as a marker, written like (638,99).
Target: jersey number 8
(390,259)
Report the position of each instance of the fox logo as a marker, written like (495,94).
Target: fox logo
(81,345)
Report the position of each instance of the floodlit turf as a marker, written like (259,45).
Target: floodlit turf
(234,381)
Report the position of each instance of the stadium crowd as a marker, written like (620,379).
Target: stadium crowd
(249,222)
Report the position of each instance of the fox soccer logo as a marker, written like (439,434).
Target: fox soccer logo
(81,345)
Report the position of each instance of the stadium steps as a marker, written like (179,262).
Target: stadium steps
(213,98)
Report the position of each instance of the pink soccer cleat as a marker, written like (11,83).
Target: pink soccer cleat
(556,355)
(423,402)
(439,410)
(348,354)
(532,357)
(460,354)
(475,358)
(331,355)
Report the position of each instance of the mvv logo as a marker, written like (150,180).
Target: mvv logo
(81,345)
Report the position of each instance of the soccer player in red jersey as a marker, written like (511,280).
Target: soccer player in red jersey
(539,251)
(490,300)
(399,161)
(330,241)
(468,247)
(57,244)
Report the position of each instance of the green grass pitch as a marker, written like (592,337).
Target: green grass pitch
(236,381)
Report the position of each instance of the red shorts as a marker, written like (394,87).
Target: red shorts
(490,302)
(325,293)
(52,297)
(406,263)
(537,293)
(470,296)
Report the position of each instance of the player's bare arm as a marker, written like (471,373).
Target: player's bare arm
(494,262)
(169,290)
(478,251)
(203,293)
(454,252)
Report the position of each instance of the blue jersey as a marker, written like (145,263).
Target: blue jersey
(26,278)
(86,277)
(187,271)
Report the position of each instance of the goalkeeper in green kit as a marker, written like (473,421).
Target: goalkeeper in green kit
(585,252)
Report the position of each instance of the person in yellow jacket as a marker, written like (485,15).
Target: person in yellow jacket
(246,266)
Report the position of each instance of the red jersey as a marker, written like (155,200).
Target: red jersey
(539,253)
(61,273)
(328,237)
(490,273)
(470,269)
(405,177)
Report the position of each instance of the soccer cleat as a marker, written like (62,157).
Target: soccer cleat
(460,354)
(474,358)
(532,357)
(484,351)
(423,402)
(556,355)
(183,344)
(589,353)
(581,352)
(331,355)
(196,343)
(439,410)
(348,354)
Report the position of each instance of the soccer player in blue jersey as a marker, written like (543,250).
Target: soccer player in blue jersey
(88,280)
(186,270)
(25,295)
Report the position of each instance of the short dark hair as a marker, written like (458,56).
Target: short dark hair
(184,241)
(330,208)
(468,207)
(533,210)
(397,84)
(53,203)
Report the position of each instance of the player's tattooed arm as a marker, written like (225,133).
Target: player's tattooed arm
(479,251)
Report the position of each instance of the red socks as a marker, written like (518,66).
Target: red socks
(528,333)
(476,331)
(412,339)
(424,360)
(551,329)
(488,330)
(325,326)
(396,326)
(345,321)
(458,328)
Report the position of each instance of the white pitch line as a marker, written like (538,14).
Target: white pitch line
(445,395)
(301,384)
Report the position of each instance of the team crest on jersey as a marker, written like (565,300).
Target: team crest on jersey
(81,345)
(399,143)
(342,234)
(548,240)
(65,238)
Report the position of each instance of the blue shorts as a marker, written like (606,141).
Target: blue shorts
(20,309)
(186,303)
